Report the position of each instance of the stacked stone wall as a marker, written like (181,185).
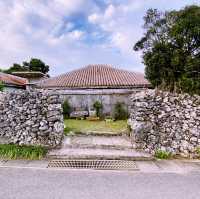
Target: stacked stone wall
(31,117)
(166,121)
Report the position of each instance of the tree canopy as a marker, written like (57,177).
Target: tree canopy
(33,65)
(171,49)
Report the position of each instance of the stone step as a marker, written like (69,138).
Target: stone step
(106,154)
(97,142)
(99,133)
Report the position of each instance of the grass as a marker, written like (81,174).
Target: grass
(11,151)
(99,126)
(162,154)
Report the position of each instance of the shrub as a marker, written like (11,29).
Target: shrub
(66,109)
(98,106)
(11,151)
(162,154)
(198,151)
(120,113)
(1,86)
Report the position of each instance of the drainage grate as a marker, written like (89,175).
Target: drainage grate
(94,164)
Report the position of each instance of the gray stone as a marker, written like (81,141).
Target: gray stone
(58,127)
(166,121)
(27,117)
(78,114)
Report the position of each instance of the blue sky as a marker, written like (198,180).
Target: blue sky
(68,34)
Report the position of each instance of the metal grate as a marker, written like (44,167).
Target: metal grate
(94,164)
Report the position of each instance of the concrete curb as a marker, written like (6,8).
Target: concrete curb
(157,166)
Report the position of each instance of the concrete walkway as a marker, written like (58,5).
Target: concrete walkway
(115,142)
(98,147)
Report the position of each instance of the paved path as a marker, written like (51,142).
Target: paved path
(98,147)
(90,141)
(21,183)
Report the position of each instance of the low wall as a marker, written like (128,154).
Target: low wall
(166,121)
(31,117)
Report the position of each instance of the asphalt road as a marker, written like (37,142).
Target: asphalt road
(20,183)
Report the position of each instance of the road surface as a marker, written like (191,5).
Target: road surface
(36,183)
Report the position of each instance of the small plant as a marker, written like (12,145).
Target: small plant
(108,119)
(98,106)
(66,109)
(1,86)
(11,151)
(162,154)
(198,151)
(67,130)
(120,113)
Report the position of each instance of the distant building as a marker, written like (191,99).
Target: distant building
(32,76)
(104,83)
(12,82)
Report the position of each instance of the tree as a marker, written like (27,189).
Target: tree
(37,65)
(33,65)
(171,49)
(15,68)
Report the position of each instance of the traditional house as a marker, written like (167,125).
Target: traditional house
(92,83)
(12,82)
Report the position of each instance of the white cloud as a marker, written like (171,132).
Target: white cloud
(118,39)
(115,20)
(77,34)
(44,29)
(93,18)
(109,12)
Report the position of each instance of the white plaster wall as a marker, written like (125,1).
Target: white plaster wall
(84,99)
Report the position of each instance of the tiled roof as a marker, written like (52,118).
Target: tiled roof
(96,76)
(12,79)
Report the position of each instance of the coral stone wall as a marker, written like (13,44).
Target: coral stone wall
(166,121)
(31,117)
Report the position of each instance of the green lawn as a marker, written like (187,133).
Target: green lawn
(97,126)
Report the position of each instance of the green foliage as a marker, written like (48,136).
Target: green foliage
(198,151)
(67,130)
(66,109)
(1,86)
(16,68)
(171,49)
(33,65)
(120,113)
(11,151)
(98,106)
(38,65)
(162,154)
